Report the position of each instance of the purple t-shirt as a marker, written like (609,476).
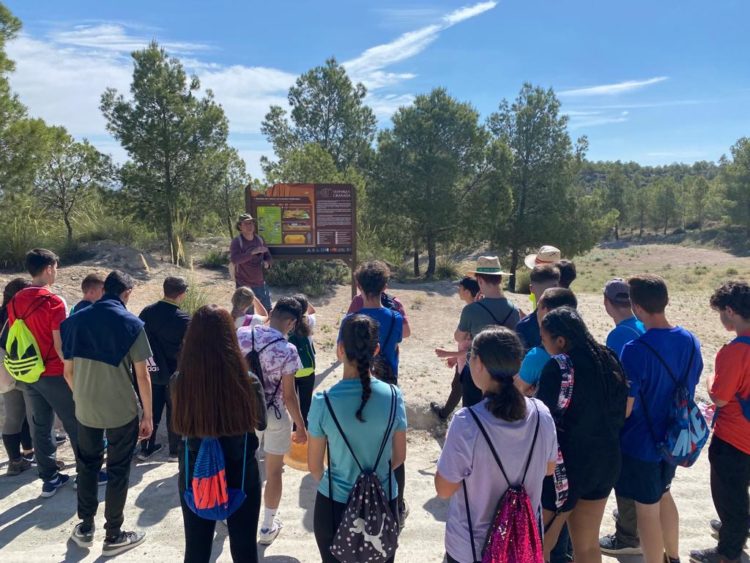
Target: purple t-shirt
(466,456)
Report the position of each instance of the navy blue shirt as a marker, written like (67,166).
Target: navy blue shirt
(528,329)
(388,337)
(81,305)
(650,381)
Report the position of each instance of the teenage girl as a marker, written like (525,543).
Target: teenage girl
(301,337)
(247,310)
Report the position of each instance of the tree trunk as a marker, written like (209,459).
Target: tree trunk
(416,260)
(69,227)
(617,231)
(513,267)
(431,257)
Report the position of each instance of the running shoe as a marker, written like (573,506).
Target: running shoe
(437,410)
(60,439)
(267,535)
(610,545)
(82,535)
(710,555)
(403,513)
(101,481)
(122,543)
(49,488)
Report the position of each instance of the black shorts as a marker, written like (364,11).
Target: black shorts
(591,481)
(644,481)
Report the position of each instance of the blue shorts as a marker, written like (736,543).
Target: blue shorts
(644,481)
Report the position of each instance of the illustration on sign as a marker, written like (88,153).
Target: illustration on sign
(306,219)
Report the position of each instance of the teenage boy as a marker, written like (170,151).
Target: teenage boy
(729,452)
(543,276)
(165,326)
(43,312)
(468,289)
(536,358)
(625,540)
(645,477)
(493,309)
(92,288)
(250,257)
(279,362)
(102,345)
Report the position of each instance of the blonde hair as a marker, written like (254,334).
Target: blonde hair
(242,300)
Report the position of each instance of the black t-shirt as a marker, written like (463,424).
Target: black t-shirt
(165,328)
(589,430)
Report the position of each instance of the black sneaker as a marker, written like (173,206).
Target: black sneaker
(122,543)
(146,453)
(49,488)
(60,439)
(711,555)
(403,514)
(610,545)
(82,535)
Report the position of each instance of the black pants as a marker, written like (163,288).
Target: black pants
(120,444)
(455,397)
(161,397)
(305,386)
(242,525)
(470,393)
(326,519)
(730,477)
(48,397)
(14,442)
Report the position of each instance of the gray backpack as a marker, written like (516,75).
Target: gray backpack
(369,530)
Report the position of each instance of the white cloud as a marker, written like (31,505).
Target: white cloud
(114,37)
(580,119)
(613,89)
(367,67)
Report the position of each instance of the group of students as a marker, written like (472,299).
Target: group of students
(545,407)
(600,412)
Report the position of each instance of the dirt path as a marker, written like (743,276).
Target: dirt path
(33,529)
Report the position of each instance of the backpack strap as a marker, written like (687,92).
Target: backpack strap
(742,339)
(489,443)
(664,363)
(341,431)
(390,329)
(494,318)
(533,442)
(471,528)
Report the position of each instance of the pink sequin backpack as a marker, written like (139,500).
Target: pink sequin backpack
(513,536)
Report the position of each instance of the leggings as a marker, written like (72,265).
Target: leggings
(326,520)
(16,428)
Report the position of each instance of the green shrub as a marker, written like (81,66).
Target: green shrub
(215,259)
(523,281)
(446,269)
(732,271)
(312,277)
(195,297)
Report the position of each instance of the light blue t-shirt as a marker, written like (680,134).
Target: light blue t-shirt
(624,332)
(364,437)
(533,364)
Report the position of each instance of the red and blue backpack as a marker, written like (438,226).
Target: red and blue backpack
(207,493)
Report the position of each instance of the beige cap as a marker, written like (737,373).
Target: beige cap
(489,266)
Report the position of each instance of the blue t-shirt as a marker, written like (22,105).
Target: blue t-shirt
(533,364)
(80,306)
(624,332)
(528,329)
(364,437)
(649,380)
(386,318)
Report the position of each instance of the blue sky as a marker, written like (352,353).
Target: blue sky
(651,81)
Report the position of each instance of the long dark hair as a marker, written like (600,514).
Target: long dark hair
(302,328)
(212,393)
(500,351)
(567,322)
(359,334)
(11,288)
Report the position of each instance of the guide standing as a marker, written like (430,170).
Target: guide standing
(250,257)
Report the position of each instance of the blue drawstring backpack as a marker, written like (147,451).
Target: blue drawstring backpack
(744,402)
(208,495)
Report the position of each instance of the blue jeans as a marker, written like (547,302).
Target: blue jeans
(263,295)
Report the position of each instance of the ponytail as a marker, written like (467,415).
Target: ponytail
(359,335)
(500,351)
(508,403)
(302,328)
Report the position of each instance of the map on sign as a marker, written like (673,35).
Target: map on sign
(311,220)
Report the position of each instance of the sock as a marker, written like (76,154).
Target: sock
(268,516)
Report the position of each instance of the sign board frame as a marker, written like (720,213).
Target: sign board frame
(253,199)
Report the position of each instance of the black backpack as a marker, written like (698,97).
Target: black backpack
(368,531)
(253,362)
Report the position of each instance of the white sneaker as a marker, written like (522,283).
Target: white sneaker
(267,535)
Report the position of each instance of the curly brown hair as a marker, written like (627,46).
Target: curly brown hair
(734,294)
